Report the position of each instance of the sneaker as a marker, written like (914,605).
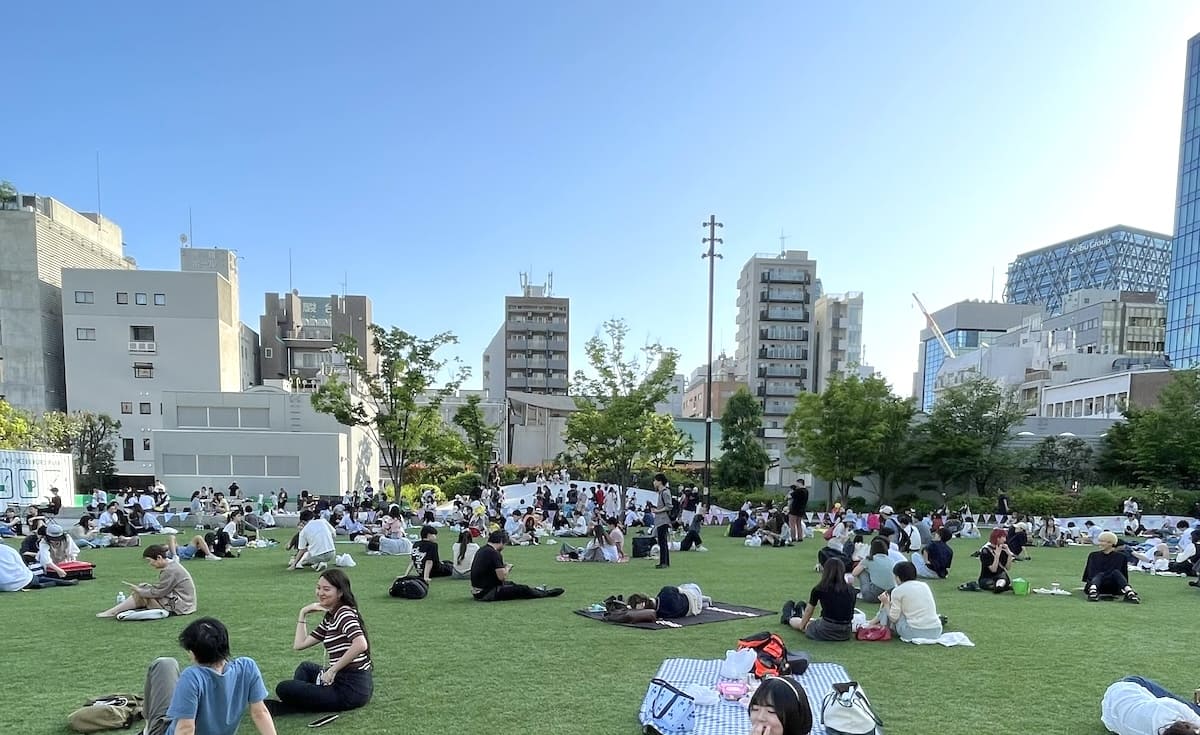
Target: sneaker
(211,557)
(1132,597)
(554,591)
(789,612)
(662,566)
(321,567)
(1093,594)
(944,620)
(701,548)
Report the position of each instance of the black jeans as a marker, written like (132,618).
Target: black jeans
(510,591)
(302,693)
(1111,582)
(664,545)
(689,540)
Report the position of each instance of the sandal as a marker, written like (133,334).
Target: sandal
(1132,597)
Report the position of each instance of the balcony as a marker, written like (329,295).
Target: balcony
(535,344)
(779,391)
(518,363)
(766,353)
(143,347)
(778,371)
(557,327)
(784,410)
(516,344)
(558,383)
(783,315)
(794,297)
(556,364)
(800,277)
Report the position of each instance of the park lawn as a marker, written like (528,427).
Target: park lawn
(447,664)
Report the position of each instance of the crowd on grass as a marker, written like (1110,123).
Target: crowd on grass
(881,556)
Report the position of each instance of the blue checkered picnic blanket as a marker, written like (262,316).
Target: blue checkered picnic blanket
(730,718)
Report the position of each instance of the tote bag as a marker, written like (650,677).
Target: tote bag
(846,711)
(670,711)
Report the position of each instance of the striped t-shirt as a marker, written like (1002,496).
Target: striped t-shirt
(337,631)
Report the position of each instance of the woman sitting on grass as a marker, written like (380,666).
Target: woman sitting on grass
(878,566)
(462,553)
(344,684)
(780,707)
(600,547)
(909,609)
(836,598)
(995,559)
(87,537)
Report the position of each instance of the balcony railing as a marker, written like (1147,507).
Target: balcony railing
(782,315)
(142,347)
(800,277)
(795,297)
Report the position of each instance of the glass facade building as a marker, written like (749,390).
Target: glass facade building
(1118,259)
(1183,323)
(961,340)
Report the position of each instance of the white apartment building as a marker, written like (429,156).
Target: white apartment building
(774,324)
(265,438)
(530,352)
(837,344)
(132,335)
(38,238)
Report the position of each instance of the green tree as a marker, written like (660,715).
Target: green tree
(55,431)
(744,461)
(1115,462)
(16,427)
(662,443)
(967,433)
(836,434)
(95,448)
(1060,460)
(439,448)
(393,402)
(481,436)
(1162,444)
(894,438)
(616,405)
(8,195)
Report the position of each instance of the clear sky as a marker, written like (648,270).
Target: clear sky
(429,153)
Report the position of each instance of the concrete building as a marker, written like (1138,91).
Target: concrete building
(1183,298)
(536,427)
(131,335)
(1105,396)
(774,325)
(38,238)
(1119,258)
(265,438)
(673,406)
(837,336)
(722,390)
(530,352)
(248,357)
(298,334)
(492,410)
(965,325)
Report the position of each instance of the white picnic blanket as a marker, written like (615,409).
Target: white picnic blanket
(730,718)
(947,639)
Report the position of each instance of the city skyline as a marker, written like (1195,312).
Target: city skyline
(452,150)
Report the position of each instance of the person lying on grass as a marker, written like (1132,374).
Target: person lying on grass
(909,609)
(670,603)
(780,707)
(174,591)
(197,548)
(1104,573)
(835,596)
(1137,706)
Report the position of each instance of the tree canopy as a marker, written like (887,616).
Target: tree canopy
(744,461)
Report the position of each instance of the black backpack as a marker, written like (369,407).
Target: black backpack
(410,588)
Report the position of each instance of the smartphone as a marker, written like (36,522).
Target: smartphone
(323,721)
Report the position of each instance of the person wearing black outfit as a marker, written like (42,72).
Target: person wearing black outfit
(489,576)
(1104,573)
(692,537)
(797,504)
(425,559)
(662,520)
(836,598)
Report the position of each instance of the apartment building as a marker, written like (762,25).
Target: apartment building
(298,334)
(530,352)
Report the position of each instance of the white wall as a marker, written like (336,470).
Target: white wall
(1104,394)
(268,460)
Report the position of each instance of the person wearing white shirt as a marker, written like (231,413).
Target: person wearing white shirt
(515,528)
(1137,706)
(909,608)
(14,575)
(462,554)
(315,544)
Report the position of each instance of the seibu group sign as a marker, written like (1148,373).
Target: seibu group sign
(26,477)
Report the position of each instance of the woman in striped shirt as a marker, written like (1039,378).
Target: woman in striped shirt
(345,683)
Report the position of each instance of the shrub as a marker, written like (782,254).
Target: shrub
(1038,503)
(464,483)
(412,493)
(1097,501)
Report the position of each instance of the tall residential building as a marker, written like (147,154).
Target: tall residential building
(298,334)
(1119,258)
(131,335)
(1183,317)
(837,339)
(965,325)
(530,351)
(773,339)
(38,238)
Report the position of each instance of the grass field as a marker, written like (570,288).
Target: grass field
(447,664)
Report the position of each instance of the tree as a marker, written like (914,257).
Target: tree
(16,428)
(1060,460)
(616,405)
(836,434)
(95,448)
(662,443)
(1115,462)
(55,431)
(1160,444)
(481,436)
(439,448)
(392,402)
(967,432)
(8,195)
(744,461)
(894,445)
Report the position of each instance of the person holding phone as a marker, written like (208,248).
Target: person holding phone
(174,592)
(346,683)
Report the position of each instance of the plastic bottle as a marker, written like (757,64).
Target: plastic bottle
(120,597)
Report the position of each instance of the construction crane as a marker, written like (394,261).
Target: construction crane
(937,331)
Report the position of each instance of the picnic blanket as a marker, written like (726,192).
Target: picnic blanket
(730,718)
(947,639)
(715,614)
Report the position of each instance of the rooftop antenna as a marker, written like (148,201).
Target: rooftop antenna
(99,226)
(550,283)
(191,237)
(183,240)
(993,295)
(345,280)
(289,270)
(782,242)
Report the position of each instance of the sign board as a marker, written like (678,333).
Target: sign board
(26,477)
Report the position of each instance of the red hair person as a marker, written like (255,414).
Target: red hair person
(995,558)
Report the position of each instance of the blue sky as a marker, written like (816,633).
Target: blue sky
(429,153)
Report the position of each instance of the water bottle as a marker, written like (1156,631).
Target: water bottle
(120,597)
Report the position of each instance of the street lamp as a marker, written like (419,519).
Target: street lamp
(712,224)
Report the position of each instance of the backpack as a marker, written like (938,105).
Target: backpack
(410,588)
(110,712)
(772,654)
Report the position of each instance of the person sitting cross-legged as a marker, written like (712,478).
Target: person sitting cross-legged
(174,592)
(210,696)
(909,608)
(1104,573)
(995,559)
(489,575)
(314,543)
(835,596)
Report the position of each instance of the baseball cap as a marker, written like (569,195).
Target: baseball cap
(886,510)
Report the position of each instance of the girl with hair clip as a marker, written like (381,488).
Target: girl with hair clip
(780,707)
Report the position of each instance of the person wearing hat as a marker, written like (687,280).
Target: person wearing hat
(1104,573)
(888,519)
(55,547)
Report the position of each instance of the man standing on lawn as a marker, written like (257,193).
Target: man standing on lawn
(489,576)
(662,520)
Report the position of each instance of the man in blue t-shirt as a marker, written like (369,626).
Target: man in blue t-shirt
(209,697)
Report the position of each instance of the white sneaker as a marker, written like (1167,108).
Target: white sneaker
(211,557)
(701,548)
(321,567)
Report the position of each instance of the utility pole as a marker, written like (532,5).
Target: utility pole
(712,241)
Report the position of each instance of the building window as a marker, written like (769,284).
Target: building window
(160,299)
(126,406)
(268,353)
(127,450)
(85,297)
(141,334)
(122,297)
(139,299)
(85,334)
(146,445)
(144,409)
(143,370)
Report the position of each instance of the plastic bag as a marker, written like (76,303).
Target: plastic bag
(738,663)
(345,560)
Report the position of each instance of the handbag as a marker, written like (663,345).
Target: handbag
(873,633)
(670,711)
(846,711)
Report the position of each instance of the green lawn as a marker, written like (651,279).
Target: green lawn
(448,664)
